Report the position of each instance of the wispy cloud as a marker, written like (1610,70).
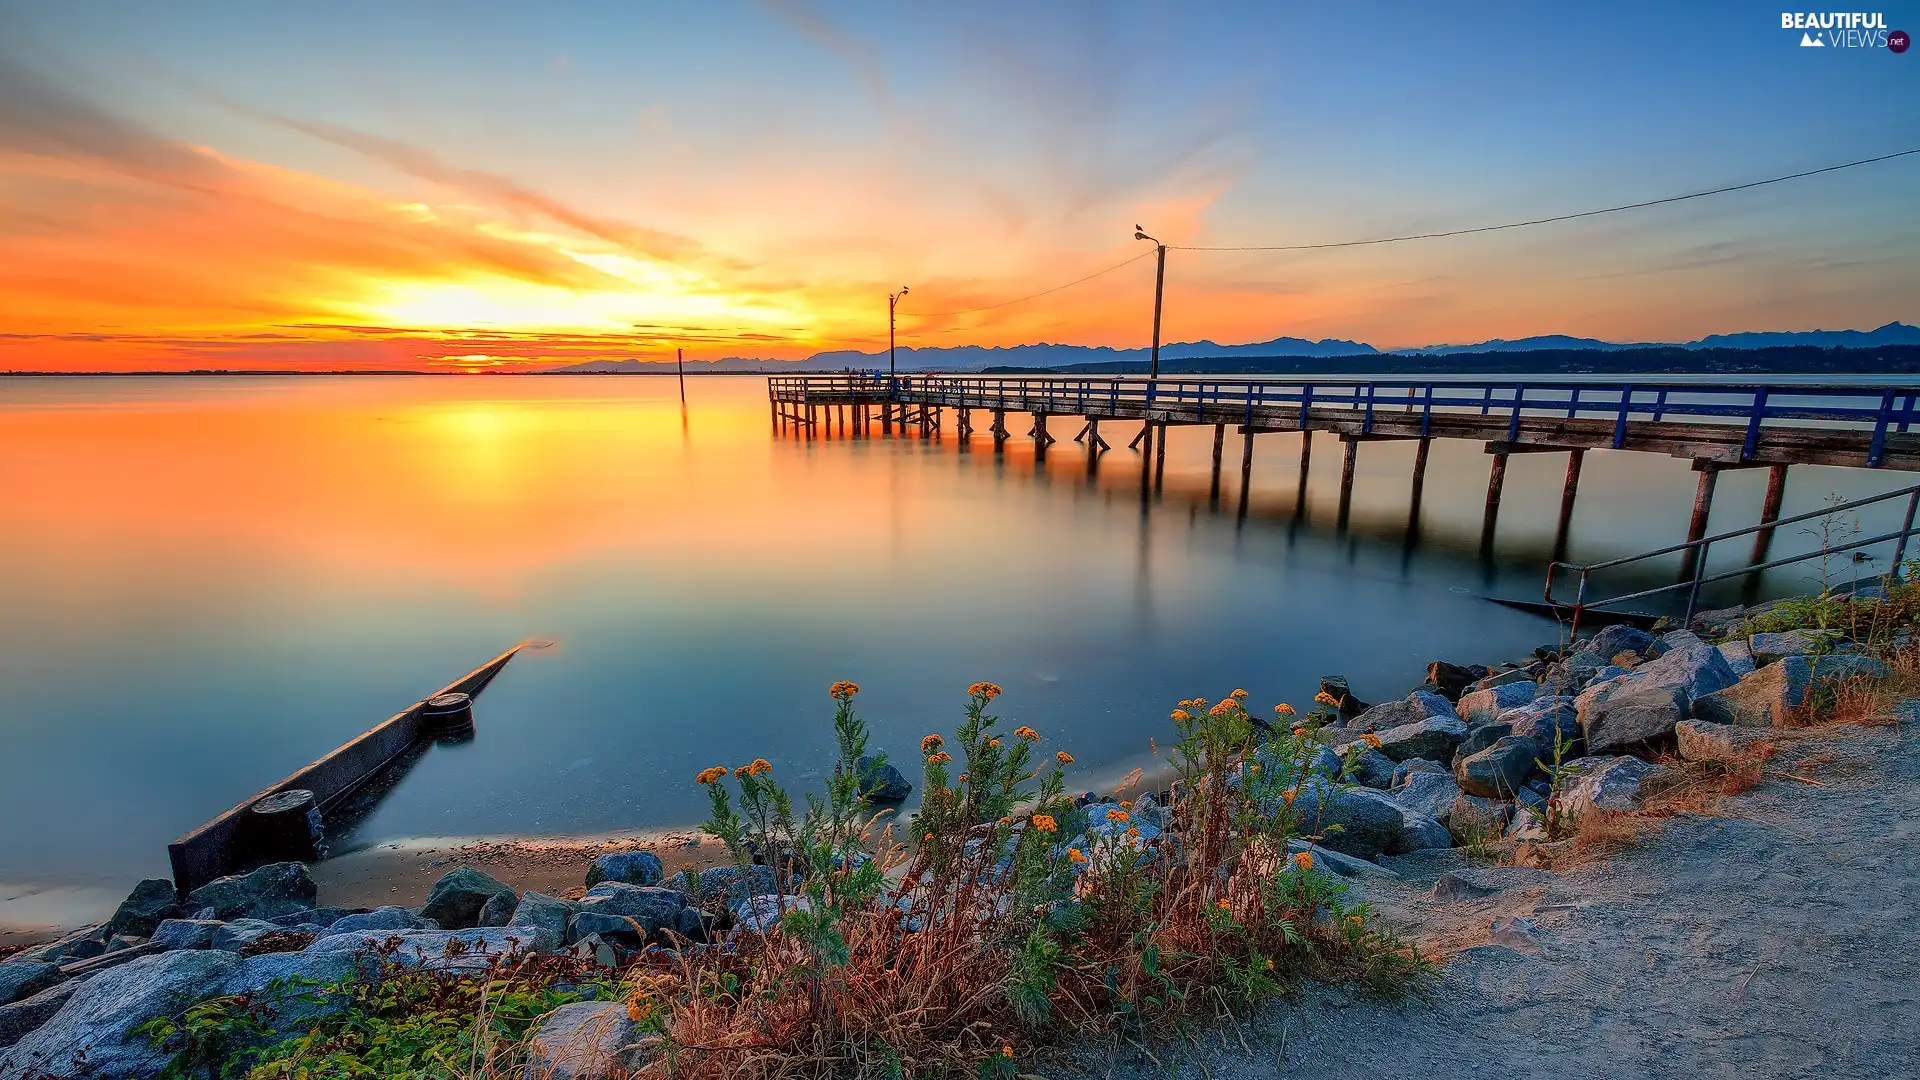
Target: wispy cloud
(863,58)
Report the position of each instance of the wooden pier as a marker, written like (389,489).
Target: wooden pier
(1715,426)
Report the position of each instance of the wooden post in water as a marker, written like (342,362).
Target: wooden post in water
(1160,456)
(1095,444)
(1246,468)
(1419,484)
(1496,479)
(1346,481)
(1770,512)
(1219,446)
(1702,508)
(680,367)
(999,429)
(1146,431)
(1567,492)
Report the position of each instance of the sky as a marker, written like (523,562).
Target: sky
(476,186)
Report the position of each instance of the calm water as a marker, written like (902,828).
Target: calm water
(209,582)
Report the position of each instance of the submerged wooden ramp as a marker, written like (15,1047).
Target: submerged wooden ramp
(219,846)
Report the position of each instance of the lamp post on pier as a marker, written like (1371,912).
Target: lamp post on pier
(886,407)
(1157,453)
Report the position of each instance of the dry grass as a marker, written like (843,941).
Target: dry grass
(1866,701)
(1686,787)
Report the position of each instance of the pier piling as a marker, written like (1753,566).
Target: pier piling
(1219,445)
(1346,480)
(1568,490)
(1770,512)
(1496,479)
(1702,509)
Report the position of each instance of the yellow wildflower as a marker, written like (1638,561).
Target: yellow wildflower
(993,742)
(1006,821)
(1133,832)
(760,767)
(1288,796)
(639,1008)
(931,743)
(940,758)
(961,779)
(1371,740)
(1116,815)
(843,689)
(1223,708)
(1325,698)
(1044,822)
(1223,905)
(1006,1051)
(983,690)
(1283,709)
(1074,854)
(708,776)
(1180,714)
(1126,804)
(1299,732)
(1238,694)
(1065,758)
(1027,733)
(1304,860)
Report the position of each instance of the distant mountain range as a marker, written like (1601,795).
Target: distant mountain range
(1180,355)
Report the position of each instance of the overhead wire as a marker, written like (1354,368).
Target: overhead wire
(1546,220)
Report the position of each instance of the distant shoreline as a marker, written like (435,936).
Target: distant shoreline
(1782,360)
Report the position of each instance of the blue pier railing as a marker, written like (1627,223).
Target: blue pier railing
(1876,409)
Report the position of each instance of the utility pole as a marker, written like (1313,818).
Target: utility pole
(893,301)
(886,407)
(680,365)
(1153,369)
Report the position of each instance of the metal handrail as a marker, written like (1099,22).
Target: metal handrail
(1698,576)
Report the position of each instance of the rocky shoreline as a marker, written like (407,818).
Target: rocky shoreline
(1473,756)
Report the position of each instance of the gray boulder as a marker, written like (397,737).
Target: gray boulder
(1591,784)
(93,1034)
(1352,821)
(150,901)
(320,917)
(498,910)
(725,882)
(236,935)
(651,906)
(274,889)
(88,941)
(1485,706)
(1574,671)
(449,950)
(1480,738)
(456,899)
(1546,721)
(1371,768)
(694,925)
(880,781)
(1739,657)
(28,1014)
(295,988)
(382,918)
(1421,833)
(1770,695)
(1767,648)
(1434,738)
(1473,817)
(1413,765)
(1526,825)
(186,933)
(624,930)
(1613,640)
(548,914)
(1415,707)
(1627,711)
(632,867)
(1499,770)
(760,914)
(1325,762)
(1334,865)
(25,980)
(587,1040)
(1428,794)
(1701,740)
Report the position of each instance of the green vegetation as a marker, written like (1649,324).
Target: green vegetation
(1008,920)
(405,1022)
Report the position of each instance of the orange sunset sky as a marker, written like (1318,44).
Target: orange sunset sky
(431,186)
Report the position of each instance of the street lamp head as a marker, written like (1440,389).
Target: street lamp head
(1141,234)
(903,290)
